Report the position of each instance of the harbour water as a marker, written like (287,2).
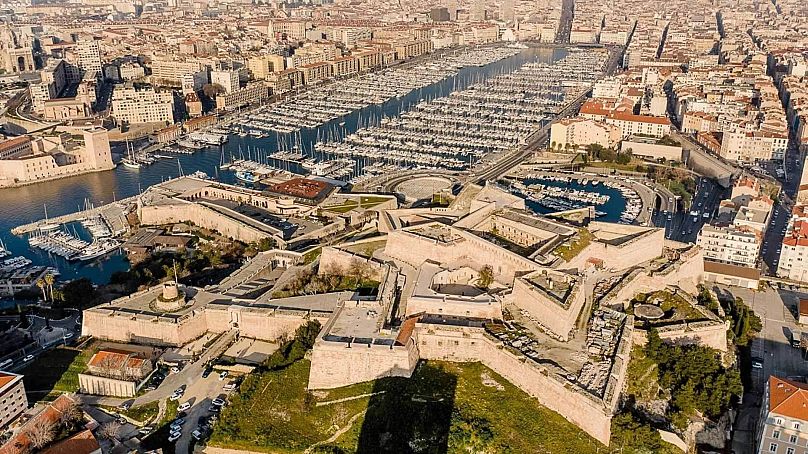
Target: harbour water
(27,204)
(613,208)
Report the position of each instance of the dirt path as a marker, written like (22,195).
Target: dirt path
(337,434)
(346,399)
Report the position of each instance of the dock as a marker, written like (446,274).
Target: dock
(114,215)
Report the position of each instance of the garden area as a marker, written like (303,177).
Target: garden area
(356,276)
(675,308)
(350,204)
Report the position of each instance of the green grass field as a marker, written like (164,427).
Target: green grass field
(444,407)
(55,371)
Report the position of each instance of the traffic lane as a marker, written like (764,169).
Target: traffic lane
(776,309)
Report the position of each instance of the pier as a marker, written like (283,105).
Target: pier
(114,215)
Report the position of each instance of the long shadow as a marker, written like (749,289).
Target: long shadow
(41,376)
(410,414)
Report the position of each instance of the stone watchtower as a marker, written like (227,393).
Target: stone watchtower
(97,153)
(171,299)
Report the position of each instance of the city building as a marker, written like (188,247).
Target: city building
(12,398)
(783,418)
(255,92)
(731,243)
(227,78)
(579,132)
(145,105)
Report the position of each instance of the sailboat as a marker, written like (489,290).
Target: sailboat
(3,251)
(47,226)
(130,161)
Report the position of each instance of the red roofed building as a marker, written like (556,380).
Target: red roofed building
(793,263)
(302,188)
(118,363)
(12,394)
(620,113)
(783,423)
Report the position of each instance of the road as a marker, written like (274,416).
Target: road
(681,225)
(565,22)
(45,339)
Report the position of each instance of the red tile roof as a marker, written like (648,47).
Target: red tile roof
(788,398)
(82,443)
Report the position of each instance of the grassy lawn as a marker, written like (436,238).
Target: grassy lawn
(56,371)
(344,208)
(370,201)
(445,407)
(642,376)
(312,255)
(631,167)
(574,245)
(675,307)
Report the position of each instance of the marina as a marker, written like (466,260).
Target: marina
(320,105)
(613,202)
(23,205)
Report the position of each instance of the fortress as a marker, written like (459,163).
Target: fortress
(546,293)
(28,159)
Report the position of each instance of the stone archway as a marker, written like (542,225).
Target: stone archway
(20,64)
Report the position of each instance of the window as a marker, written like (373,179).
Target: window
(796,426)
(776,434)
(792,439)
(773,447)
(789,450)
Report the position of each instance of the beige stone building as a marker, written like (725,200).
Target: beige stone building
(12,398)
(26,160)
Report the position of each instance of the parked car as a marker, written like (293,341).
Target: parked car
(174,436)
(28,358)
(184,406)
(145,430)
(757,363)
(223,375)
(206,372)
(230,386)
(218,402)
(125,406)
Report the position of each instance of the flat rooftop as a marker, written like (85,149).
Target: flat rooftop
(361,322)
(436,231)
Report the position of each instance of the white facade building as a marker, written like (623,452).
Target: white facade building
(142,106)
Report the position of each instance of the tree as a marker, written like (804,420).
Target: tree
(70,414)
(49,280)
(211,90)
(486,277)
(41,432)
(109,430)
(41,284)
(77,293)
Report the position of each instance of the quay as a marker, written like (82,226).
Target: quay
(113,213)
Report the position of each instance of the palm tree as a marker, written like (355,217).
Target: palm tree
(41,284)
(49,280)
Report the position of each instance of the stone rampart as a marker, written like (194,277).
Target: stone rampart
(707,333)
(335,364)
(470,345)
